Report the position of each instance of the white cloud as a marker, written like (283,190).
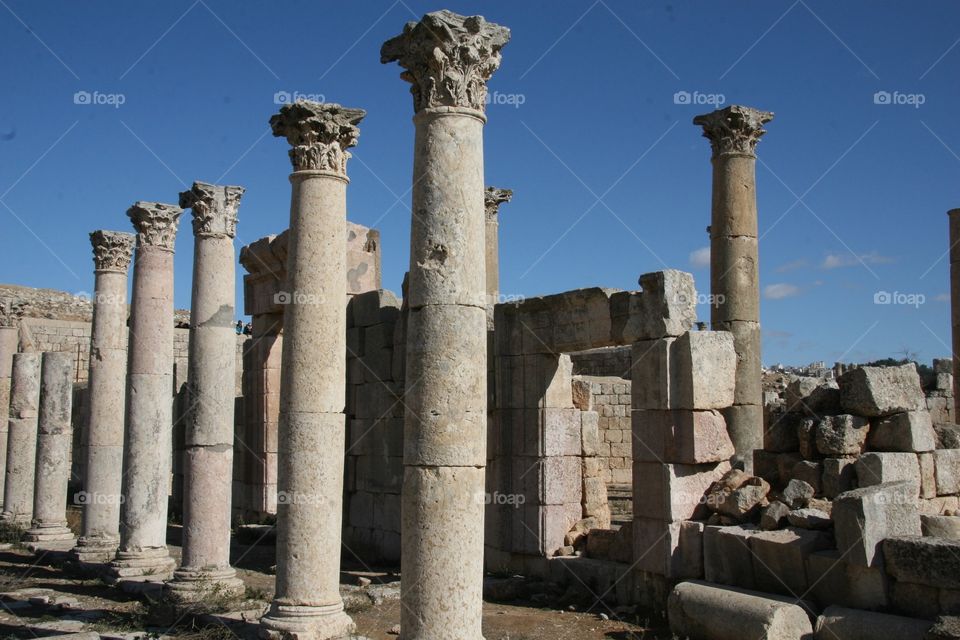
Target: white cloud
(792,266)
(780,290)
(838,260)
(700,258)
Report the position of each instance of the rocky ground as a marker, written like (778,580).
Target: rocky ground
(38,599)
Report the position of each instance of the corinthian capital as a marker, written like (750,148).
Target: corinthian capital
(493,198)
(734,129)
(112,250)
(155,223)
(448,58)
(320,134)
(214,209)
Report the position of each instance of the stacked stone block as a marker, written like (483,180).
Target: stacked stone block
(610,399)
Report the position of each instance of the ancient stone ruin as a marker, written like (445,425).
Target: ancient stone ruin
(596,449)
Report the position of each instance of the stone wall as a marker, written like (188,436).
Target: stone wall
(612,362)
(610,398)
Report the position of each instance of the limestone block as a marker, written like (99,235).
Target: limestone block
(779,562)
(912,599)
(934,562)
(666,306)
(838,623)
(689,437)
(842,435)
(747,343)
(671,549)
(877,468)
(651,387)
(774,515)
(834,581)
(864,517)
(780,432)
(813,397)
(807,438)
(727,558)
(928,475)
(561,432)
(909,431)
(797,493)
(948,436)
(946,527)
(947,462)
(590,432)
(814,519)
(785,464)
(839,475)
(562,481)
(811,473)
(941,505)
(881,391)
(703,610)
(548,381)
(673,492)
(702,370)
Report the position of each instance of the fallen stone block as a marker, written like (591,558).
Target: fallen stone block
(833,581)
(812,396)
(946,527)
(810,519)
(948,436)
(864,517)
(797,494)
(944,628)
(878,468)
(881,391)
(737,494)
(727,558)
(779,558)
(842,435)
(774,516)
(811,473)
(934,562)
(839,623)
(673,492)
(839,475)
(700,610)
(947,465)
(908,431)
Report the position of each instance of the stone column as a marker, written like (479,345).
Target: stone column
(208,455)
(148,430)
(448,58)
(22,439)
(312,428)
(49,531)
(103,441)
(734,272)
(492,199)
(8,347)
(954,215)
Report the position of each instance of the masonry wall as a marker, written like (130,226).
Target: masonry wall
(609,397)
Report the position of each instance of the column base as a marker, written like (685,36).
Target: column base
(49,538)
(92,554)
(23,520)
(303,622)
(152,565)
(191,585)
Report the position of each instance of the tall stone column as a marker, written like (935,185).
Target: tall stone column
(103,441)
(312,429)
(492,199)
(734,273)
(22,439)
(8,347)
(148,430)
(448,58)
(49,531)
(208,455)
(954,215)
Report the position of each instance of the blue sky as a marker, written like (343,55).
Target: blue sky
(611,179)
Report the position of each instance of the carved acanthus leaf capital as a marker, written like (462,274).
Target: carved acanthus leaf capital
(320,134)
(448,58)
(112,250)
(493,198)
(155,223)
(214,209)
(734,129)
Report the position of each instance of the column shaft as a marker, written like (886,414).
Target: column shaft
(954,215)
(8,347)
(22,439)
(54,436)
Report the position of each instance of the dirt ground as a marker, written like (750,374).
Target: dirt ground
(37,598)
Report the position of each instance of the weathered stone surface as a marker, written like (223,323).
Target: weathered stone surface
(833,581)
(807,438)
(673,492)
(881,391)
(947,463)
(810,519)
(948,436)
(702,365)
(865,517)
(909,431)
(22,439)
(703,610)
(842,435)
(737,495)
(779,562)
(838,623)
(944,628)
(774,515)
(727,558)
(839,475)
(688,437)
(928,475)
(780,432)
(797,494)
(877,468)
(811,473)
(946,527)
(666,306)
(934,562)
(812,396)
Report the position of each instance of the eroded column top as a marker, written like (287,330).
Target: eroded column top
(214,209)
(734,130)
(155,223)
(448,59)
(493,197)
(112,250)
(320,134)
